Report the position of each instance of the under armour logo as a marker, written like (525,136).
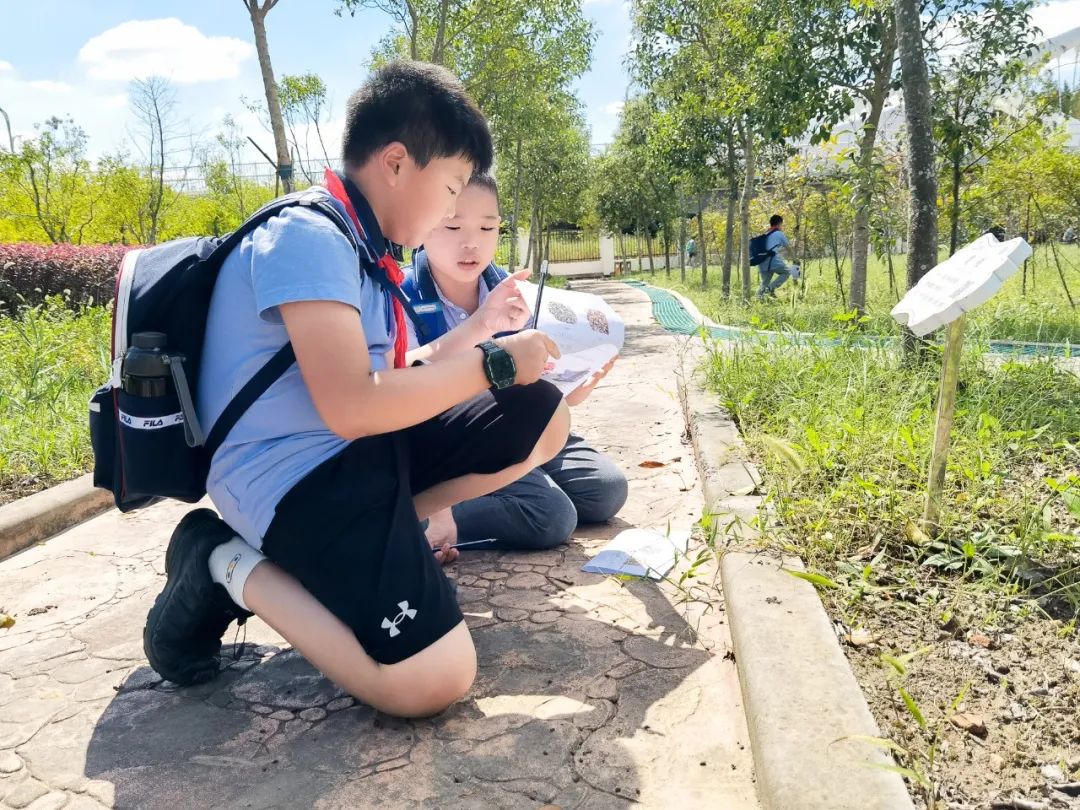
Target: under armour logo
(392,626)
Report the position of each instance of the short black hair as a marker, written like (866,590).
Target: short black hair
(421,106)
(775,220)
(485,180)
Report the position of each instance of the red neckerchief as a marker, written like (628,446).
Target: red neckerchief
(386,262)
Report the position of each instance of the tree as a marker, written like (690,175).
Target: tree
(303,103)
(752,71)
(11,137)
(153,101)
(855,48)
(516,58)
(49,180)
(258,13)
(633,184)
(554,171)
(996,37)
(922,170)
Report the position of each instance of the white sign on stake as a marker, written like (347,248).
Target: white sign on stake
(968,278)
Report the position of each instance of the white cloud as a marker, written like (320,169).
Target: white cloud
(116,101)
(49,86)
(6,67)
(614,108)
(168,47)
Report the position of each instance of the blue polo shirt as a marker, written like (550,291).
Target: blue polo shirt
(777,241)
(299,255)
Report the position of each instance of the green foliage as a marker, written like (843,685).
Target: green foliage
(52,357)
(46,185)
(861,424)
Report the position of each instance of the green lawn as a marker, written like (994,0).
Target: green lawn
(51,360)
(844,437)
(1041,312)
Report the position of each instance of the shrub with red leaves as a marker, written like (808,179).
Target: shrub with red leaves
(86,273)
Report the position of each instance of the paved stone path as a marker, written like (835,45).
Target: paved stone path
(592,692)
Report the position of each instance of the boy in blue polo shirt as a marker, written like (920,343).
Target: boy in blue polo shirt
(451,284)
(327,476)
(774,271)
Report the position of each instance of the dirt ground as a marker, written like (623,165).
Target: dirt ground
(1018,688)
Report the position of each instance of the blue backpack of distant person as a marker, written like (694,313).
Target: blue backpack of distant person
(759,252)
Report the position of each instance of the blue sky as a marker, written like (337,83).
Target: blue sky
(68,57)
(62,57)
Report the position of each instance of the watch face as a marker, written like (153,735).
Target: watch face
(500,367)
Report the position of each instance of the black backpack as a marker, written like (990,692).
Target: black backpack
(758,250)
(152,447)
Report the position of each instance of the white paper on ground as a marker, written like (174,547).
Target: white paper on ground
(587,331)
(639,553)
(968,278)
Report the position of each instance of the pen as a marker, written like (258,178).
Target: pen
(540,292)
(468,543)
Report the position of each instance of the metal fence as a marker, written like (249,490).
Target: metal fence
(572,246)
(635,245)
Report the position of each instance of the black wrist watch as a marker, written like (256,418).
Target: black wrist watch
(498,365)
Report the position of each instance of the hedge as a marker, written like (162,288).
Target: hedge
(82,273)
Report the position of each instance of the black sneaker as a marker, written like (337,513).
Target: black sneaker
(182,638)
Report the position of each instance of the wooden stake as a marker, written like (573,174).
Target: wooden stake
(950,375)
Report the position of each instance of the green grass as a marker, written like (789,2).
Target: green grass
(1041,313)
(845,436)
(52,358)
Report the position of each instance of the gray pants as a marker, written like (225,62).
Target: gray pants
(773,274)
(541,510)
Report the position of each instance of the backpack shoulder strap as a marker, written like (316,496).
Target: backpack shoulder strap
(254,388)
(424,302)
(493,275)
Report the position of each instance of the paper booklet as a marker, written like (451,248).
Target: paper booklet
(640,553)
(586,330)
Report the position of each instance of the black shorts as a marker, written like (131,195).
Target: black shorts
(349,532)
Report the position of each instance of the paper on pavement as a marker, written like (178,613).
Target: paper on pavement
(639,553)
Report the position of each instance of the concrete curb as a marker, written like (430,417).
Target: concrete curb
(804,708)
(39,516)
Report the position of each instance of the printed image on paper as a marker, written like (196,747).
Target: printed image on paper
(587,331)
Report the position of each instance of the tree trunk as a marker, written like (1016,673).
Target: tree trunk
(834,247)
(159,182)
(682,244)
(865,186)
(1027,238)
(437,52)
(729,223)
(11,137)
(747,195)
(667,252)
(954,209)
(648,246)
(922,227)
(538,252)
(532,238)
(888,258)
(273,103)
(702,250)
(516,217)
